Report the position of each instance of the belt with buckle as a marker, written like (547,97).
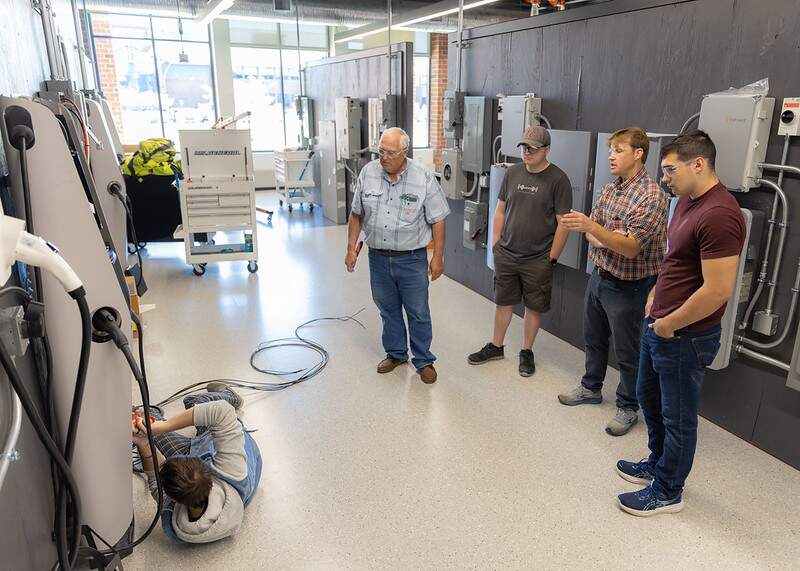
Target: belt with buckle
(393,253)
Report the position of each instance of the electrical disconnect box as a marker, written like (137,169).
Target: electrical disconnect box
(519,113)
(454,182)
(348,127)
(381,115)
(305,114)
(790,117)
(453,116)
(479,114)
(739,126)
(475,222)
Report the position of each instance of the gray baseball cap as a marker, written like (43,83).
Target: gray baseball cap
(536,137)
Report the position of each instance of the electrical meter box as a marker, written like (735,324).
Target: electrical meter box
(305,113)
(574,153)
(348,127)
(381,115)
(739,126)
(454,182)
(790,117)
(602,170)
(475,222)
(453,116)
(519,113)
(479,115)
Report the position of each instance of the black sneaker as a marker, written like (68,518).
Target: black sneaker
(490,352)
(526,365)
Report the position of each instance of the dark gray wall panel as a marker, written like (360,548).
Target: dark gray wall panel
(650,66)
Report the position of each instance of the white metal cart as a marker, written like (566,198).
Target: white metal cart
(294,177)
(218,195)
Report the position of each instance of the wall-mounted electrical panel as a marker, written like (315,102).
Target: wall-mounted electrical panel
(479,115)
(453,180)
(519,113)
(453,115)
(496,176)
(574,153)
(790,117)
(475,223)
(381,115)
(304,108)
(739,125)
(602,170)
(348,127)
(737,304)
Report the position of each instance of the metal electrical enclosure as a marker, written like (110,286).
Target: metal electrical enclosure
(348,127)
(497,175)
(602,170)
(331,175)
(739,125)
(475,215)
(519,113)
(381,115)
(793,378)
(305,113)
(453,116)
(737,304)
(479,113)
(574,153)
(454,182)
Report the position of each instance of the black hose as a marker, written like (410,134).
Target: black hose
(74,418)
(52,449)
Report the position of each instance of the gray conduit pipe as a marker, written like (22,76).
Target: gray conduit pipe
(763,358)
(688,122)
(786,324)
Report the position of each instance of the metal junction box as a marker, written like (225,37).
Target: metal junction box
(475,221)
(602,171)
(497,175)
(454,182)
(381,115)
(739,125)
(453,116)
(519,113)
(574,153)
(348,127)
(479,114)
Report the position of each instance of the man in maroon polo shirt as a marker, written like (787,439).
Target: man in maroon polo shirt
(682,324)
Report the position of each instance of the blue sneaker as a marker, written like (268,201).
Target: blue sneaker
(636,472)
(644,503)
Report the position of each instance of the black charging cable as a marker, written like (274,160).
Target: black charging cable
(116,191)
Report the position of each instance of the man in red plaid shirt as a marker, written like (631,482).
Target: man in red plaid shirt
(627,233)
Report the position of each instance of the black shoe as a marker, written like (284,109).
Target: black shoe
(526,365)
(489,352)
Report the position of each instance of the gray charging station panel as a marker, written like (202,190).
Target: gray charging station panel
(496,176)
(574,153)
(332,175)
(602,170)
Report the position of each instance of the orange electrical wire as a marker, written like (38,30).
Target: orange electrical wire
(86,145)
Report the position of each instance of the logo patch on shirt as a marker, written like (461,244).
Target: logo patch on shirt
(528,189)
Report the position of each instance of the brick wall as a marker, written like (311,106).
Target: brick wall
(108,70)
(438,87)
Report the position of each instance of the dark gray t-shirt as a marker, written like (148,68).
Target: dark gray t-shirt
(532,202)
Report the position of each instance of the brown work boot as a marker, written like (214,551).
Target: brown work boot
(389,364)
(428,375)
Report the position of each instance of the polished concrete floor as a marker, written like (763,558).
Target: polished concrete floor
(483,470)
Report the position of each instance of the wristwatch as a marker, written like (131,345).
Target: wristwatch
(554,261)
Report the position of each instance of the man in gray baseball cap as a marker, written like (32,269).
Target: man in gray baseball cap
(527,240)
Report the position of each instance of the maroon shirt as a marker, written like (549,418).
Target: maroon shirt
(701,229)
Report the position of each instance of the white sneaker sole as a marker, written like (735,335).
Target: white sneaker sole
(633,479)
(672,508)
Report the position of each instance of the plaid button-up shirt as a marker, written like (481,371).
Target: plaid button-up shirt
(637,207)
(399,215)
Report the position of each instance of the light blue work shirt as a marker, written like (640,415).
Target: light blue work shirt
(398,215)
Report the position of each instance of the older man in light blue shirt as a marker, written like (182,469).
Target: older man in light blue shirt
(401,207)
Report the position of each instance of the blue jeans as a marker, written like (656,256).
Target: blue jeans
(401,283)
(613,311)
(671,375)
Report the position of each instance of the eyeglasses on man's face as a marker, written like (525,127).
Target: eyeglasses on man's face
(670,170)
(389,153)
